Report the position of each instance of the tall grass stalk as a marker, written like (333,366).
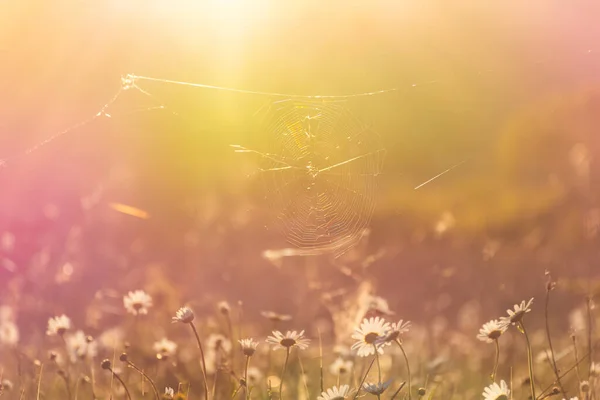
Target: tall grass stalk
(549,287)
(303,377)
(39,386)
(542,395)
(321,364)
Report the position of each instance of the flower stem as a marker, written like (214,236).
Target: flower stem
(407,367)
(363,379)
(398,391)
(575,353)
(203,360)
(132,365)
(122,383)
(589,334)
(497,358)
(529,360)
(378,364)
(247,392)
(287,357)
(378,369)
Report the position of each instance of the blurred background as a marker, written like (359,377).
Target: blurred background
(511,89)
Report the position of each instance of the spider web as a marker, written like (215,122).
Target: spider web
(320,173)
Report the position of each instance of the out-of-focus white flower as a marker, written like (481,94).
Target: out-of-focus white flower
(491,331)
(379,305)
(79,346)
(164,348)
(112,338)
(224,307)
(335,393)
(515,316)
(137,302)
(254,376)
(276,317)
(445,223)
(58,325)
(7,314)
(341,350)
(9,333)
(6,385)
(289,340)
(496,392)
(184,315)
(340,367)
(367,334)
(545,356)
(218,342)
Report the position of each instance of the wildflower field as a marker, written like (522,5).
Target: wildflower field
(299,200)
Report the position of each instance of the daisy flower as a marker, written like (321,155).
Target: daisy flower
(184,315)
(58,325)
(496,392)
(367,334)
(164,348)
(9,333)
(248,346)
(397,329)
(515,316)
(335,393)
(289,340)
(137,302)
(491,331)
(341,366)
(376,388)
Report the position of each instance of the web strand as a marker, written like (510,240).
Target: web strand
(134,78)
(126,85)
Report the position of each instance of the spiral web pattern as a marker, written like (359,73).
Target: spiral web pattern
(321,174)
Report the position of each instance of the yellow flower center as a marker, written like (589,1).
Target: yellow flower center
(371,337)
(495,334)
(287,342)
